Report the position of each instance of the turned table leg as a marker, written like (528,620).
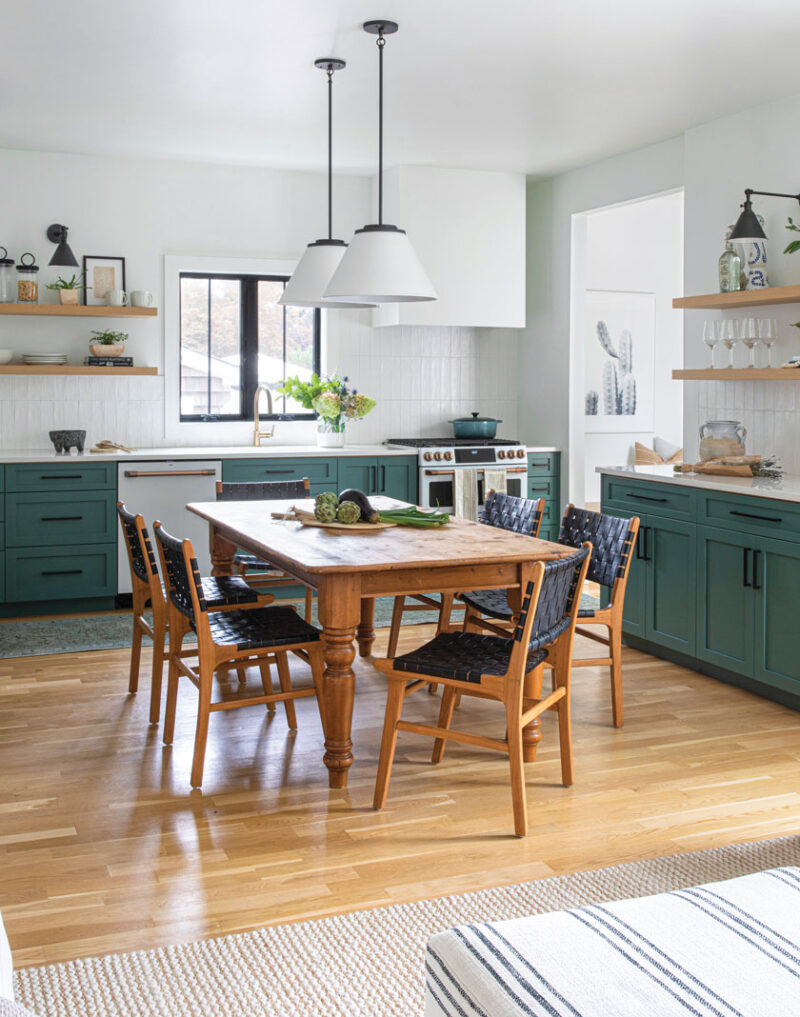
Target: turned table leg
(340,611)
(222,554)
(366,627)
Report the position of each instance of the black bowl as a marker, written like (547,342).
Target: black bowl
(64,440)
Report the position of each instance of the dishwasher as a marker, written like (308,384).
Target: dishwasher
(160,490)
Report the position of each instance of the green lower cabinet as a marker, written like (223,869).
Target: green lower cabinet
(634,612)
(397,477)
(777,634)
(73,517)
(2,578)
(61,573)
(725,635)
(321,472)
(359,472)
(671,550)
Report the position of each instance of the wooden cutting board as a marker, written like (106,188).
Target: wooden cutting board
(309,519)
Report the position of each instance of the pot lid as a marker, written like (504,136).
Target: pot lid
(475,419)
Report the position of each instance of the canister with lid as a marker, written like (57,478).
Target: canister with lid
(6,278)
(27,280)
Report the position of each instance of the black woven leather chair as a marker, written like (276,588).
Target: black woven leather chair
(148,591)
(613,540)
(262,636)
(521,515)
(267,575)
(507,669)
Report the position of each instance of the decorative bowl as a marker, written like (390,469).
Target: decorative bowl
(65,439)
(106,349)
(5,356)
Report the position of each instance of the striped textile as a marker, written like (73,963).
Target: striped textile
(728,949)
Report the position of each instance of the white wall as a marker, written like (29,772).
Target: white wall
(636,247)
(146,209)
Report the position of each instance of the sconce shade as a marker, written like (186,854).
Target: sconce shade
(748,229)
(380,266)
(62,255)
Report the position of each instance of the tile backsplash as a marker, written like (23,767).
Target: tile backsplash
(421,378)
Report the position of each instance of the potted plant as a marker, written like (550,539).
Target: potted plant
(333,401)
(68,289)
(107,343)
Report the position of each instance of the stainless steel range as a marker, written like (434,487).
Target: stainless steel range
(439,458)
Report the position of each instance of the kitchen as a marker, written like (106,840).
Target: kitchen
(484,385)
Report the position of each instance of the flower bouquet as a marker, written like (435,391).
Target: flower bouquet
(334,402)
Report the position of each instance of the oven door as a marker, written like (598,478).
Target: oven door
(436,487)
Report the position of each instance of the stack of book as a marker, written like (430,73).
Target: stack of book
(108,361)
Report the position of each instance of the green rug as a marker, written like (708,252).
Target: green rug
(111,631)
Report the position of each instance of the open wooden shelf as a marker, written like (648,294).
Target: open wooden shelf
(741,298)
(78,311)
(75,369)
(737,374)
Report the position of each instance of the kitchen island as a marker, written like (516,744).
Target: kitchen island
(715,580)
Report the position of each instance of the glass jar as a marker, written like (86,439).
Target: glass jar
(6,278)
(27,280)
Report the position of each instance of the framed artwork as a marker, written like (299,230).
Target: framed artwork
(619,361)
(102,275)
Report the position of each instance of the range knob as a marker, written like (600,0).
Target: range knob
(427,456)
(437,456)
(501,454)
(448,455)
(520,453)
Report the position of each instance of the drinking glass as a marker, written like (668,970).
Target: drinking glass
(767,334)
(711,335)
(728,336)
(748,334)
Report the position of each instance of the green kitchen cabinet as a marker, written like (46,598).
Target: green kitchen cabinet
(392,476)
(776,581)
(2,577)
(53,574)
(36,519)
(321,472)
(52,478)
(359,472)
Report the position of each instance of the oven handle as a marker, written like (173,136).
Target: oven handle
(449,473)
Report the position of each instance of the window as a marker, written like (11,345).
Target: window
(236,336)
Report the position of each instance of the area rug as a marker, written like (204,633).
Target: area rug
(112,630)
(363,964)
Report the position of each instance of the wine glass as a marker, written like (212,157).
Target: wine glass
(748,334)
(728,336)
(768,333)
(711,335)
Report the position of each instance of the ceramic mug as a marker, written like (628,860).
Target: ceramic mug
(116,298)
(141,298)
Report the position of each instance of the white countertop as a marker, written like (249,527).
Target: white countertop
(265,451)
(785,489)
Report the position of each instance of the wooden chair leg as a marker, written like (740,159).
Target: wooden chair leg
(266,683)
(615,643)
(394,630)
(316,661)
(136,651)
(286,685)
(201,732)
(445,717)
(394,707)
(515,760)
(159,636)
(309,603)
(241,674)
(176,633)
(565,740)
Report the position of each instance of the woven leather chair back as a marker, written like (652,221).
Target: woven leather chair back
(180,582)
(138,540)
(553,609)
(611,537)
(522,515)
(271,490)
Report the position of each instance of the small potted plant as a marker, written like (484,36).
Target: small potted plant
(68,289)
(107,343)
(334,402)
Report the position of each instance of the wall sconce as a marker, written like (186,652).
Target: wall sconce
(748,229)
(62,255)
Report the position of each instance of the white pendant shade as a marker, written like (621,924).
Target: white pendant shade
(380,267)
(309,280)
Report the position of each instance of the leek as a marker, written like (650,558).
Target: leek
(412,516)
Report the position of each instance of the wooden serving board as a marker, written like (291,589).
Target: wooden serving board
(309,519)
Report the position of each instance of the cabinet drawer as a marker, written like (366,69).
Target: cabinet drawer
(653,498)
(552,515)
(57,477)
(752,515)
(53,573)
(75,517)
(318,471)
(543,464)
(544,487)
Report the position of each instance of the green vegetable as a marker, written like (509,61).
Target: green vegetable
(325,512)
(348,512)
(412,516)
(327,497)
(368,513)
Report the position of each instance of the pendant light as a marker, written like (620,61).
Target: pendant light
(306,288)
(380,265)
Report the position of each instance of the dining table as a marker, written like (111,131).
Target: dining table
(349,570)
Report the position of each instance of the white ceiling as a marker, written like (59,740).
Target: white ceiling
(515,84)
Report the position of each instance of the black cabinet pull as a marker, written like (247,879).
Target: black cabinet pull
(373,484)
(62,476)
(644,497)
(383,479)
(745,553)
(61,519)
(278,473)
(763,519)
(64,572)
(756,553)
(639,543)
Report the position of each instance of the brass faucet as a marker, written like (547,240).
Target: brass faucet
(257,434)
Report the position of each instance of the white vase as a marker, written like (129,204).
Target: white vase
(327,438)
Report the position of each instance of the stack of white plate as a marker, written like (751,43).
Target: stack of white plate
(44,358)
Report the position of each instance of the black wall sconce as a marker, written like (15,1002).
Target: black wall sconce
(62,255)
(748,229)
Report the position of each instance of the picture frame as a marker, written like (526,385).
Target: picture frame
(101,274)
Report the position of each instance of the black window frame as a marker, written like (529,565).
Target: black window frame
(248,331)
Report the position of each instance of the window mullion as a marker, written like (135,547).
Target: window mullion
(249,374)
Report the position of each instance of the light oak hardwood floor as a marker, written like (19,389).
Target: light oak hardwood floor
(103,847)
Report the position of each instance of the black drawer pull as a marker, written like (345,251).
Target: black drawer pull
(278,473)
(644,497)
(64,572)
(750,515)
(756,585)
(62,476)
(60,519)
(745,552)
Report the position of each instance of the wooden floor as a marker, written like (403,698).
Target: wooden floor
(103,847)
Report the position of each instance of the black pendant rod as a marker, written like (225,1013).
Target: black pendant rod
(330,153)
(381,42)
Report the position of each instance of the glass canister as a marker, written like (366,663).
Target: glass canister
(720,438)
(27,280)
(6,278)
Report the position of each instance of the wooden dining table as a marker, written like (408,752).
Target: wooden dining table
(349,570)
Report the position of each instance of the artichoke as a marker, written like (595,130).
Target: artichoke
(348,512)
(325,512)
(327,497)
